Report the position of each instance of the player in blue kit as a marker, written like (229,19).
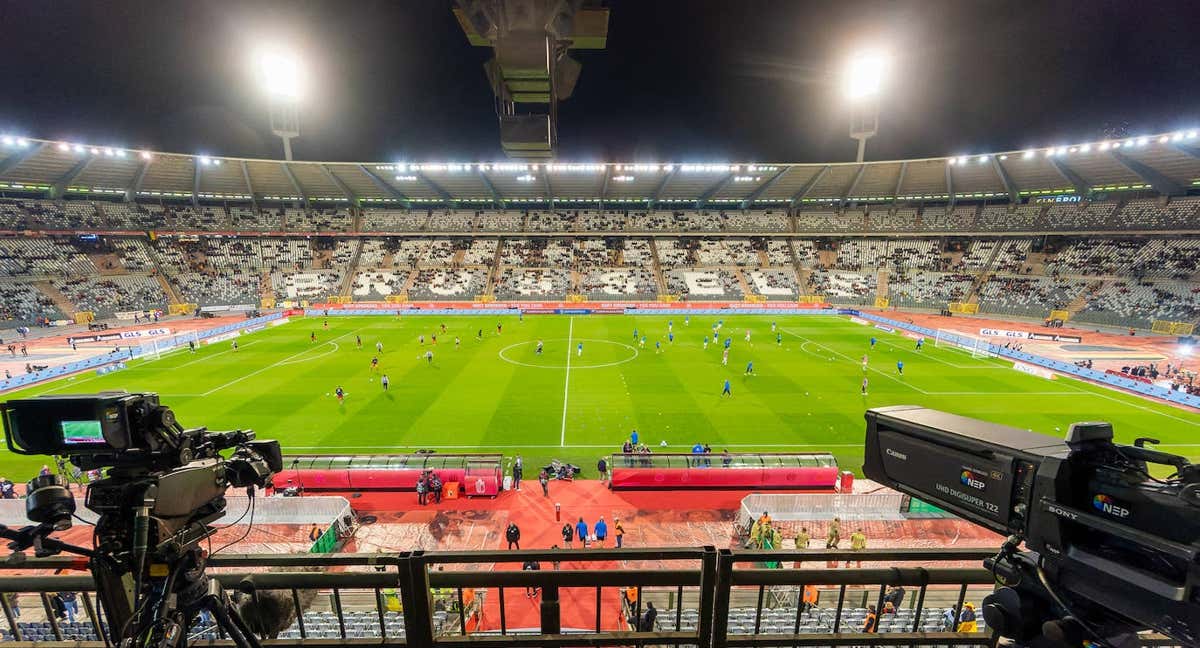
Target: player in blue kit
(728,342)
(726,391)
(749,368)
(778,339)
(873,341)
(900,367)
(671,338)
(658,346)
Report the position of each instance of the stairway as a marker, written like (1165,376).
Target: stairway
(881,282)
(1081,300)
(356,215)
(351,270)
(658,275)
(495,269)
(741,278)
(172,294)
(60,301)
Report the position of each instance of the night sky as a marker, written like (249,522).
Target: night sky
(692,80)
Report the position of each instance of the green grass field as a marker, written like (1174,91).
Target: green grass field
(496,394)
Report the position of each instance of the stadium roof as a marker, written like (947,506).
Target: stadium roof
(1166,163)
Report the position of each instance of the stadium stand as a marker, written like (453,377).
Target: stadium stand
(108,295)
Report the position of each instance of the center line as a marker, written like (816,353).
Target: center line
(562,440)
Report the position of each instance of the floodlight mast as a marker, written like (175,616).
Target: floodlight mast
(280,75)
(863,81)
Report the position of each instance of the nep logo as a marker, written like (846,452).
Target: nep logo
(972,479)
(1108,505)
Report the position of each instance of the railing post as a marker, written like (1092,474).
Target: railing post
(708,590)
(551,621)
(13,628)
(414,592)
(719,610)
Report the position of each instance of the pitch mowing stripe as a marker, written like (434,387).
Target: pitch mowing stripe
(274,364)
(562,439)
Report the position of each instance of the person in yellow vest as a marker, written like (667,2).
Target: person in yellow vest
(803,538)
(834,535)
(967,621)
(756,535)
(858,542)
(619,531)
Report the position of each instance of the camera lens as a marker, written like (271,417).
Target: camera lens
(50,501)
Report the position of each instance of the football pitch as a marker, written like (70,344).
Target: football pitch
(495,393)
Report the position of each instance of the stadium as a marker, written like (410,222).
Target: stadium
(709,333)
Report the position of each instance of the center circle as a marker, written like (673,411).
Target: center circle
(577,361)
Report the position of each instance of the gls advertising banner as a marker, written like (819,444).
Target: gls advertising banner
(990,332)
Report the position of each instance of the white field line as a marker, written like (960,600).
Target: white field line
(272,365)
(562,439)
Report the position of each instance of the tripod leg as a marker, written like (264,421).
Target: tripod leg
(228,620)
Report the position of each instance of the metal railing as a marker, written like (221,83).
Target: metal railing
(438,599)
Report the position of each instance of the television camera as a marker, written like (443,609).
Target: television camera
(164,487)
(1111,549)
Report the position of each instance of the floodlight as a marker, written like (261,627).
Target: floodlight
(1142,141)
(1104,146)
(864,75)
(8,141)
(1163,139)
(146,155)
(1116,145)
(1003,157)
(205,160)
(95,151)
(22,142)
(63,146)
(78,148)
(1177,137)
(1085,148)
(983,158)
(120,153)
(217,162)
(279,72)
(1028,154)
(109,152)
(1191,135)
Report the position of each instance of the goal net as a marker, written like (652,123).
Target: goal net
(977,346)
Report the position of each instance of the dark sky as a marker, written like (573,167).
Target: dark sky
(689,80)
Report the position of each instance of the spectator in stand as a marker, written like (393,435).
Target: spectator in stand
(858,542)
(513,535)
(948,619)
(568,534)
(895,596)
(601,531)
(967,621)
(646,623)
(68,605)
(8,490)
(871,621)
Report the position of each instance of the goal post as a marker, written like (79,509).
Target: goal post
(978,347)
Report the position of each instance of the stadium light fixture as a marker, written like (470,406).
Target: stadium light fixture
(1103,146)
(1116,145)
(864,75)
(120,153)
(108,152)
(1073,149)
(1029,154)
(1004,157)
(1085,148)
(983,159)
(205,160)
(146,156)
(1164,139)
(95,151)
(1142,141)
(78,148)
(280,73)
(8,140)
(1177,137)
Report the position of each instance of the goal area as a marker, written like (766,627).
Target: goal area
(978,347)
